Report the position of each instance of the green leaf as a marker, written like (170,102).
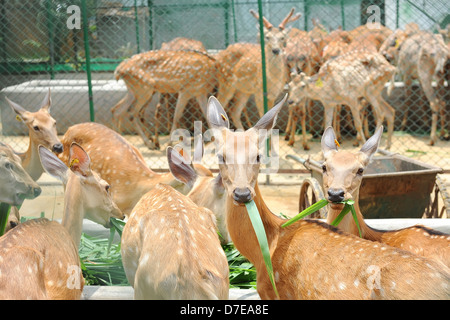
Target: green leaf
(260,232)
(4,214)
(311,209)
(341,215)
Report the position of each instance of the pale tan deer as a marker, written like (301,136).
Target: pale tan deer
(205,189)
(248,70)
(42,131)
(16,185)
(191,74)
(171,250)
(311,259)
(342,176)
(420,55)
(345,80)
(86,194)
(117,161)
(39,261)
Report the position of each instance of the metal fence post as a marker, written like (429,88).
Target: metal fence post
(51,47)
(88,59)
(136,23)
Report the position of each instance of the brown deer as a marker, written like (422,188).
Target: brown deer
(86,194)
(345,80)
(16,185)
(248,70)
(39,261)
(117,161)
(205,189)
(191,74)
(170,249)
(420,55)
(42,131)
(311,259)
(342,176)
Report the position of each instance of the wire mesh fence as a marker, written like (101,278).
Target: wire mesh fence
(145,68)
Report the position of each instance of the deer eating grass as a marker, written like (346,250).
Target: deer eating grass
(39,261)
(345,80)
(86,195)
(118,162)
(311,259)
(248,71)
(42,131)
(342,176)
(171,250)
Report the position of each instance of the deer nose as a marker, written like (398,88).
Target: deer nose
(242,195)
(336,195)
(37,191)
(276,51)
(58,148)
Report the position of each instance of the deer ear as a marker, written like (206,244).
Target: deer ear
(371,146)
(217,117)
(79,160)
(182,171)
(22,114)
(268,120)
(328,141)
(46,103)
(52,165)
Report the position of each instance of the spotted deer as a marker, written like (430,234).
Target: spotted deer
(171,250)
(420,55)
(118,162)
(248,70)
(191,74)
(39,261)
(342,176)
(205,189)
(42,131)
(16,185)
(86,194)
(345,80)
(311,259)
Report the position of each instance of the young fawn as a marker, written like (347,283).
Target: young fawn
(171,250)
(42,131)
(342,176)
(311,260)
(86,195)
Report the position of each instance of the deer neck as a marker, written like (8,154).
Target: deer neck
(241,229)
(31,161)
(348,224)
(73,208)
(276,71)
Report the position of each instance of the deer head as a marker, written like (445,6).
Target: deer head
(41,125)
(240,153)
(343,170)
(275,38)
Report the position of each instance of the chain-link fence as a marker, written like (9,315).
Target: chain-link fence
(147,67)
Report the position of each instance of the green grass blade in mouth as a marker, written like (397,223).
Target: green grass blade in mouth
(311,209)
(260,232)
(5,208)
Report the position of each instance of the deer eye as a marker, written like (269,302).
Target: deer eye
(9,166)
(258,158)
(107,187)
(360,171)
(36,128)
(324,168)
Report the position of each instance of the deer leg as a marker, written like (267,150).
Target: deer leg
(289,122)
(293,124)
(143,98)
(121,109)
(163,101)
(356,113)
(183,98)
(303,121)
(409,92)
(241,101)
(337,121)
